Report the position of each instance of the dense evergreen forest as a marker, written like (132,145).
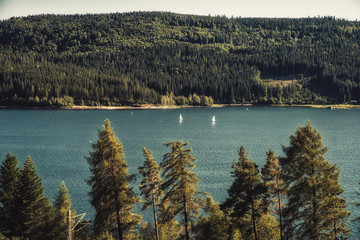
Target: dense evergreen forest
(297,196)
(167,58)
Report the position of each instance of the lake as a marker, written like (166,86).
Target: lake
(59,140)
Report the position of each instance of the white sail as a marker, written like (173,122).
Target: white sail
(213,119)
(181,119)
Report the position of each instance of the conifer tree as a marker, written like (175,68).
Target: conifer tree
(315,209)
(169,227)
(246,195)
(272,177)
(9,178)
(268,228)
(111,194)
(167,231)
(34,213)
(151,185)
(214,226)
(335,210)
(62,202)
(62,205)
(170,230)
(181,194)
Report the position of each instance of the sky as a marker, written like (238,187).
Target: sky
(346,9)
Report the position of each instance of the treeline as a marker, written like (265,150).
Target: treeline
(135,58)
(25,212)
(297,196)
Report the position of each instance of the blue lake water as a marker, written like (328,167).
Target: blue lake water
(59,140)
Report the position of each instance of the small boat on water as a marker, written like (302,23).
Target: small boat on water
(180,119)
(213,119)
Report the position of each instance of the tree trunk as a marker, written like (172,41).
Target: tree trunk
(280,217)
(314,230)
(120,232)
(187,236)
(117,209)
(253,218)
(70,226)
(155,218)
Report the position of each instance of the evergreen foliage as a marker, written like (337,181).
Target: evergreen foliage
(268,227)
(144,57)
(180,186)
(62,205)
(9,180)
(170,231)
(111,194)
(151,185)
(246,196)
(214,226)
(315,208)
(34,213)
(273,179)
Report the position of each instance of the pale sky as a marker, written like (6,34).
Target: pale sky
(347,9)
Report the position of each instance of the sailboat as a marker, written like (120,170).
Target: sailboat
(213,119)
(180,119)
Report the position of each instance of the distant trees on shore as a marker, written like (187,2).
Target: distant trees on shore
(144,57)
(295,196)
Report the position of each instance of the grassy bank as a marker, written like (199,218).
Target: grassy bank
(154,106)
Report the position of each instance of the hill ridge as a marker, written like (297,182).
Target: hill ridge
(166,58)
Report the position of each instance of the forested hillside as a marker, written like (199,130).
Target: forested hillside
(166,58)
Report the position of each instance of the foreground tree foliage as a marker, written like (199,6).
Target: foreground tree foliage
(180,186)
(111,194)
(170,231)
(315,209)
(34,213)
(215,225)
(246,201)
(26,212)
(273,179)
(151,185)
(9,180)
(62,205)
(304,180)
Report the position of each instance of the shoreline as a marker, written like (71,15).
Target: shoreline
(159,107)
(152,106)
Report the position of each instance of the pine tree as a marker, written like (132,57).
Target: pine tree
(214,226)
(180,186)
(170,230)
(335,210)
(62,205)
(9,178)
(272,177)
(111,194)
(315,209)
(246,195)
(34,214)
(268,227)
(151,185)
